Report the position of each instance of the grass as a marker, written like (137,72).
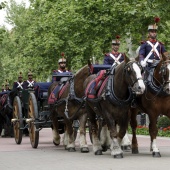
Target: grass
(143,130)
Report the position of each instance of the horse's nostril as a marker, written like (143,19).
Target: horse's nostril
(139,88)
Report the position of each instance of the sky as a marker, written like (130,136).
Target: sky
(3,13)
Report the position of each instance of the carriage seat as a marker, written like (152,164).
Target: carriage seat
(57,76)
(98,67)
(41,89)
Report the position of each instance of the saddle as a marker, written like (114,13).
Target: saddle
(58,91)
(3,99)
(94,86)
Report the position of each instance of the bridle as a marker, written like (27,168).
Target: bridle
(128,70)
(163,72)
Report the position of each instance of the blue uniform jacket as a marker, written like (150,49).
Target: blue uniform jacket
(108,60)
(145,49)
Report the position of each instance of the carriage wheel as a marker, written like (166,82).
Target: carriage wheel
(33,114)
(17,125)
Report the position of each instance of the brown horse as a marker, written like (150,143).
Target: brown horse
(114,102)
(154,101)
(71,106)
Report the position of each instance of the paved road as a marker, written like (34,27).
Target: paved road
(49,157)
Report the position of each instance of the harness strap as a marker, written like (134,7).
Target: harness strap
(30,84)
(116,59)
(20,85)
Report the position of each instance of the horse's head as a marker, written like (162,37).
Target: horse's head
(133,76)
(162,74)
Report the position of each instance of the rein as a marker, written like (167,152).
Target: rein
(110,94)
(157,90)
(71,97)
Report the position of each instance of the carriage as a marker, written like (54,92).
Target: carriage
(31,110)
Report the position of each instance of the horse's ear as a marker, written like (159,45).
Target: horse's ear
(126,58)
(89,63)
(137,58)
(165,56)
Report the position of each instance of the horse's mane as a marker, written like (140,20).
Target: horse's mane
(80,70)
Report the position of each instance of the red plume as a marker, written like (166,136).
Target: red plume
(156,19)
(62,54)
(117,36)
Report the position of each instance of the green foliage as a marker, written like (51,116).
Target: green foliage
(80,29)
(163,122)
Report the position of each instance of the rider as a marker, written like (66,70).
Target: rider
(109,59)
(30,82)
(62,64)
(61,68)
(114,56)
(151,50)
(7,86)
(19,84)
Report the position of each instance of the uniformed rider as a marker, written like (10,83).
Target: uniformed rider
(151,50)
(19,84)
(30,82)
(114,56)
(7,88)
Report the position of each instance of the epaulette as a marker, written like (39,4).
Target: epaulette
(106,54)
(161,43)
(142,42)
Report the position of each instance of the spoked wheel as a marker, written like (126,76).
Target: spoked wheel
(17,120)
(33,116)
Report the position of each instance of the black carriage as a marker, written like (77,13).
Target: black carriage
(31,106)
(20,112)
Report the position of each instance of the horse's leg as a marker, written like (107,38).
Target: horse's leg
(70,140)
(93,129)
(105,137)
(83,143)
(56,135)
(153,131)
(116,150)
(125,142)
(133,123)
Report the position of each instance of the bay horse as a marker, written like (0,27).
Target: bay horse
(70,106)
(6,101)
(154,101)
(113,103)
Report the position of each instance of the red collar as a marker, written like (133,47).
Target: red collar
(115,53)
(153,40)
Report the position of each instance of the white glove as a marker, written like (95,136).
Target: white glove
(143,63)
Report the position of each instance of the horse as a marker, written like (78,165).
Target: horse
(113,102)
(154,102)
(6,101)
(70,106)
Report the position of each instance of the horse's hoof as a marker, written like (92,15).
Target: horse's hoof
(156,154)
(104,148)
(118,156)
(84,150)
(126,148)
(98,152)
(135,151)
(56,144)
(71,149)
